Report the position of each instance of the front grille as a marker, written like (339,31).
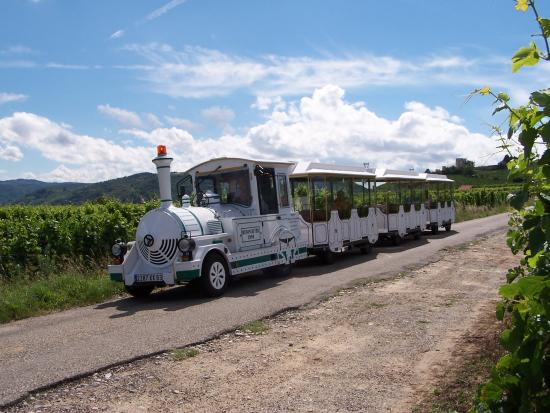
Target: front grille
(162,256)
(214,227)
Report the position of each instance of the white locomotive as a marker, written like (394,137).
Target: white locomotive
(241,221)
(240,215)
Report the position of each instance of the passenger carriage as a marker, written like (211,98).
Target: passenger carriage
(399,207)
(439,203)
(334,203)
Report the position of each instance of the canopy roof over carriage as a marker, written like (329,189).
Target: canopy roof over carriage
(224,163)
(435,177)
(387,175)
(306,169)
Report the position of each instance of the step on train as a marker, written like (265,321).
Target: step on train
(240,215)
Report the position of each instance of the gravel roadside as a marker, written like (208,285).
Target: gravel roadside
(370,348)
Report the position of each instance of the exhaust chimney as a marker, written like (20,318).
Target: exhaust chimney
(162,162)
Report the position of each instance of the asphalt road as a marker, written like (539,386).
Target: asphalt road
(38,352)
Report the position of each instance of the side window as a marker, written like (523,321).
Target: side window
(267,191)
(282,190)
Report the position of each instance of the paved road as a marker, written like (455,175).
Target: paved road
(41,351)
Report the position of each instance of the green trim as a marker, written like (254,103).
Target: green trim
(198,220)
(187,275)
(302,250)
(116,276)
(165,200)
(217,241)
(162,167)
(256,260)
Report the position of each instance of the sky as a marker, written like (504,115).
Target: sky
(89,88)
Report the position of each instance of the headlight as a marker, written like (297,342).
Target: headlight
(186,244)
(118,249)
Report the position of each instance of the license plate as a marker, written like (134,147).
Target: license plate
(140,278)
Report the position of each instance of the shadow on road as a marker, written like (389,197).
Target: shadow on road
(251,284)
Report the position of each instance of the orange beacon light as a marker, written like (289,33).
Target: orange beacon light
(161,150)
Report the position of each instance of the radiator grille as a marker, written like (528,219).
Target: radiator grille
(214,227)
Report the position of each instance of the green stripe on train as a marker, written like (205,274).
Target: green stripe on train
(116,276)
(256,260)
(187,275)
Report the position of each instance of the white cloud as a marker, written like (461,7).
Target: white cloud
(323,126)
(183,123)
(269,102)
(117,34)
(195,72)
(327,128)
(91,158)
(218,115)
(54,65)
(164,9)
(11,97)
(17,49)
(123,116)
(10,152)
(153,120)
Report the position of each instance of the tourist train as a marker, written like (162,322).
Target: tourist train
(240,215)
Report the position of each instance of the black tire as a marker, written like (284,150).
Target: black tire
(396,239)
(435,229)
(327,257)
(448,227)
(365,248)
(139,291)
(283,270)
(417,235)
(214,276)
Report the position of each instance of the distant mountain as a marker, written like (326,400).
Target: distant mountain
(133,188)
(17,188)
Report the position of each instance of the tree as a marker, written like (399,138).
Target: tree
(520,381)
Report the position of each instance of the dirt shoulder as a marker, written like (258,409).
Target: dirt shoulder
(371,348)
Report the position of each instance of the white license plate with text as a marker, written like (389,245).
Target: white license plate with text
(140,278)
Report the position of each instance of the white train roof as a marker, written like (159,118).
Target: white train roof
(216,164)
(435,177)
(395,175)
(303,169)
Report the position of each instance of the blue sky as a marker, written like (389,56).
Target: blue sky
(88,88)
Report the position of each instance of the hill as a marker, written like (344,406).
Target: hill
(481,177)
(18,188)
(133,188)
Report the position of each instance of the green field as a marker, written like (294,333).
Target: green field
(482,177)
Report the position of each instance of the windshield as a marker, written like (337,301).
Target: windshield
(232,187)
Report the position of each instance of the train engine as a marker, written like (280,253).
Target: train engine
(211,240)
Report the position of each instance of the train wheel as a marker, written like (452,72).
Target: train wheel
(327,257)
(139,291)
(215,276)
(417,234)
(448,227)
(283,270)
(435,228)
(396,239)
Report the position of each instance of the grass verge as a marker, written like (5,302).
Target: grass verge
(31,297)
(255,327)
(468,212)
(185,353)
(457,386)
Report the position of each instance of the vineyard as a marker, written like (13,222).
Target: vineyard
(36,237)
